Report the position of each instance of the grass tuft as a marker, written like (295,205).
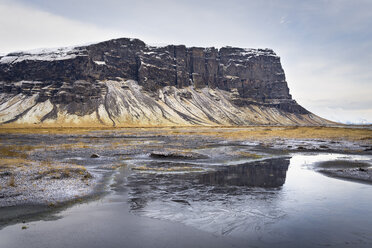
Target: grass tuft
(167,169)
(11,182)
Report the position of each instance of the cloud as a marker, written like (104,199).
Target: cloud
(347,116)
(324,45)
(27,28)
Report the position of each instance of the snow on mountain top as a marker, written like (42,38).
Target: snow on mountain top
(257,52)
(65,53)
(44,54)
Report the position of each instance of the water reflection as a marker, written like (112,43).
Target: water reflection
(229,198)
(265,202)
(268,173)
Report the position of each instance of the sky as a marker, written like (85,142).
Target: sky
(325,45)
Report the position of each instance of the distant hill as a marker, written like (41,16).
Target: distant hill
(124,82)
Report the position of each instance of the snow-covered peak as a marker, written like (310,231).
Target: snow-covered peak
(45,54)
(248,52)
(257,52)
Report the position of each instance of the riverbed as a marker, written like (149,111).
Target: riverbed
(152,188)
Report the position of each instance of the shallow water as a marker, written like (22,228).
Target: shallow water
(279,200)
(235,194)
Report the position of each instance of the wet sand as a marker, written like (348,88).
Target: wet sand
(297,221)
(107,223)
(52,167)
(348,170)
(158,173)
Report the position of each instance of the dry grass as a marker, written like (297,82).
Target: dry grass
(11,182)
(249,155)
(262,133)
(15,151)
(48,130)
(249,132)
(13,163)
(70,146)
(167,169)
(6,151)
(60,171)
(117,166)
(76,129)
(45,168)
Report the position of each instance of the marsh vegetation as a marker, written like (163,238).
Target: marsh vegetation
(225,181)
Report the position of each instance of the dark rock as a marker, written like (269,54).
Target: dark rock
(181,201)
(124,82)
(255,74)
(5,174)
(177,155)
(268,174)
(94,155)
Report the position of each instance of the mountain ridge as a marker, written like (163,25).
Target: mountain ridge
(124,82)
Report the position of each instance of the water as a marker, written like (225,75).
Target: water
(233,194)
(269,202)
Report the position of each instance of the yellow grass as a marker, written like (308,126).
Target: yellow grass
(263,133)
(57,170)
(43,168)
(250,132)
(72,145)
(167,169)
(12,163)
(250,155)
(15,151)
(11,182)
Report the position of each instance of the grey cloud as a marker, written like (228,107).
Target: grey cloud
(325,45)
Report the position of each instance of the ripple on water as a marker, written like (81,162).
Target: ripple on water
(224,200)
(267,199)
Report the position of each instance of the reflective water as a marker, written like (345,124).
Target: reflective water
(268,202)
(213,193)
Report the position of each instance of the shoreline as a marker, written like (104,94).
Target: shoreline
(350,175)
(345,132)
(45,211)
(66,151)
(110,221)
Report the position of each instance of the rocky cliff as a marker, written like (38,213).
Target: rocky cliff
(124,82)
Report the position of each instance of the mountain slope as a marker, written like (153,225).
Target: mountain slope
(124,82)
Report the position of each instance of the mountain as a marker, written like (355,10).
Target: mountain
(124,82)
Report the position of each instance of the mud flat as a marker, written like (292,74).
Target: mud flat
(53,165)
(221,181)
(344,169)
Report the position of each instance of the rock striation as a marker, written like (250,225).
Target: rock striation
(124,82)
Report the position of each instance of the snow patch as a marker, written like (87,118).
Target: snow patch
(100,62)
(154,66)
(48,54)
(257,52)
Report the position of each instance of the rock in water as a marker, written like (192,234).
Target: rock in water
(94,155)
(124,82)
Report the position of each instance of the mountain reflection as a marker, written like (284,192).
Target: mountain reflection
(194,187)
(268,173)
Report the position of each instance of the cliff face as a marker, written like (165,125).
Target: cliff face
(124,82)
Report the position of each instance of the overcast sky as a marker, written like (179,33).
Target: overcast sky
(325,45)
